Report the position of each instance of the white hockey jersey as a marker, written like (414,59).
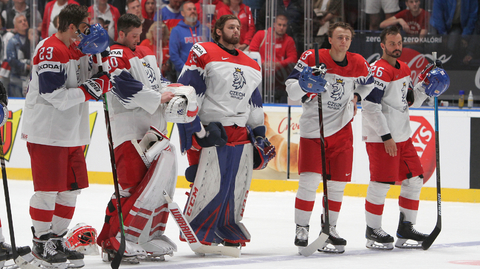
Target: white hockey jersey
(226,85)
(385,110)
(56,113)
(135,99)
(337,103)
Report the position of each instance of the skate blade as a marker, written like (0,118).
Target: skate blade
(75,263)
(300,250)
(43,264)
(333,249)
(371,244)
(408,243)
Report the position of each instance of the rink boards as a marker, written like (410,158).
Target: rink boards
(459,130)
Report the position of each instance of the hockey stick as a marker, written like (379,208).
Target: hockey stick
(323,237)
(19,260)
(121,249)
(438,227)
(190,235)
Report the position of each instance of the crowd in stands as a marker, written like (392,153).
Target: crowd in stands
(181,27)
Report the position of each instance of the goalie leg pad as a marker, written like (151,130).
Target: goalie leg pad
(151,145)
(216,202)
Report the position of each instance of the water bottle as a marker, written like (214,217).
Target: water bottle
(470,100)
(461,99)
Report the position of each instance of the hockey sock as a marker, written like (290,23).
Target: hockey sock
(2,239)
(335,198)
(42,206)
(374,203)
(64,209)
(409,198)
(305,199)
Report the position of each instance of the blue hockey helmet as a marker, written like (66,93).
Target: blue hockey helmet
(312,80)
(95,40)
(438,82)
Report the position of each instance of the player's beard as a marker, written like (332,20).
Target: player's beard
(394,54)
(233,40)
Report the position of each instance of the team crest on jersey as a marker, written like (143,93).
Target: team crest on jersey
(338,89)
(150,73)
(238,79)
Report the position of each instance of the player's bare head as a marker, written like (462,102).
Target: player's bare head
(72,14)
(342,25)
(391,41)
(222,24)
(129,29)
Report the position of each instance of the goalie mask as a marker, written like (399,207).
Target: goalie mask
(83,238)
(94,40)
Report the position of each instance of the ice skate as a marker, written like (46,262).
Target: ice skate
(378,239)
(75,258)
(301,236)
(133,252)
(158,247)
(46,253)
(335,243)
(407,236)
(7,254)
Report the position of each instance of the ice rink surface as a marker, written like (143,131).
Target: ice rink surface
(269,219)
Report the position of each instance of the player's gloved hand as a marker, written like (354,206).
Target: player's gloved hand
(263,150)
(97,85)
(308,97)
(312,80)
(186,131)
(429,68)
(436,82)
(215,136)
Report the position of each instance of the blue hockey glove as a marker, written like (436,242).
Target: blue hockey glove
(186,131)
(263,150)
(312,80)
(436,82)
(215,136)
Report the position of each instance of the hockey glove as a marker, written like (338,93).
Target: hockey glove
(263,150)
(428,68)
(96,86)
(215,136)
(186,131)
(312,80)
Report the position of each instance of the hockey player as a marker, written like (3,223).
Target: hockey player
(221,162)
(386,131)
(346,82)
(140,106)
(56,126)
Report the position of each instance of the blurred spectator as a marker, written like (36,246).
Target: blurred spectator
(473,49)
(133,7)
(374,7)
(184,35)
(5,67)
(285,54)
(52,9)
(151,42)
(216,5)
(293,9)
(171,15)
(119,4)
(104,25)
(456,19)
(20,7)
(326,12)
(244,14)
(109,14)
(413,20)
(148,9)
(18,57)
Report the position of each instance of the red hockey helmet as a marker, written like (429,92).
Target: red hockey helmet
(83,238)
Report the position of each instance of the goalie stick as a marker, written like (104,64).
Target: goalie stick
(19,260)
(320,242)
(438,227)
(121,249)
(190,235)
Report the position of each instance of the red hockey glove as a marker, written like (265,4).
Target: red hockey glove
(96,86)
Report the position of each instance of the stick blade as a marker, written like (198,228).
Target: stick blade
(429,240)
(315,245)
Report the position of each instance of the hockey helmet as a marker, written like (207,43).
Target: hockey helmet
(94,40)
(312,79)
(83,238)
(437,82)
